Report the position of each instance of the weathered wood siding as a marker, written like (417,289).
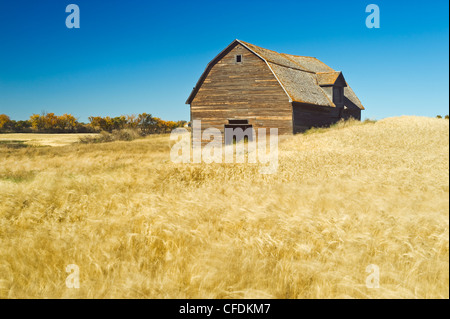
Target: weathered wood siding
(352,110)
(246,90)
(307,116)
(352,113)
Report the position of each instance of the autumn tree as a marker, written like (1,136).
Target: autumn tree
(4,121)
(50,122)
(119,122)
(132,121)
(37,122)
(67,122)
(146,123)
(53,123)
(21,126)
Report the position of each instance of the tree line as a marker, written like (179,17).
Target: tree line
(67,123)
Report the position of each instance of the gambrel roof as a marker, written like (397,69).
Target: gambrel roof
(301,77)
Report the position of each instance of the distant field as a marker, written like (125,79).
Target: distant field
(41,139)
(140,226)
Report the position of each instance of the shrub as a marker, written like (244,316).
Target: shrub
(369,121)
(126,134)
(115,135)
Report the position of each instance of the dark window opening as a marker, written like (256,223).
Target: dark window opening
(237,122)
(238,58)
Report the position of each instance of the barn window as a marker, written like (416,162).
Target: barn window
(238,58)
(237,122)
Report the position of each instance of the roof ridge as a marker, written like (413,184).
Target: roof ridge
(301,56)
(288,67)
(248,43)
(304,56)
(301,67)
(334,71)
(304,69)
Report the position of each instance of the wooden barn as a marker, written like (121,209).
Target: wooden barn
(249,86)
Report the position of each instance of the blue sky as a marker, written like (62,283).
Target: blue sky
(135,56)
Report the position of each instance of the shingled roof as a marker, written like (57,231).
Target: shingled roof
(329,78)
(301,77)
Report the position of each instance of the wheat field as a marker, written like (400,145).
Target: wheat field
(140,226)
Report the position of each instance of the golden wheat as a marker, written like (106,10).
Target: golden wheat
(139,226)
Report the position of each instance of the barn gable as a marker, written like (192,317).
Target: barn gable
(222,54)
(330,79)
(239,86)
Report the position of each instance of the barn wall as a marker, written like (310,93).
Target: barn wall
(355,113)
(246,90)
(307,116)
(352,110)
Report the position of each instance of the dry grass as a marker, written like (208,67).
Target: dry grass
(139,226)
(34,139)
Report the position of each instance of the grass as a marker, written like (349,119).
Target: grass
(38,139)
(339,125)
(139,226)
(12,144)
(17,177)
